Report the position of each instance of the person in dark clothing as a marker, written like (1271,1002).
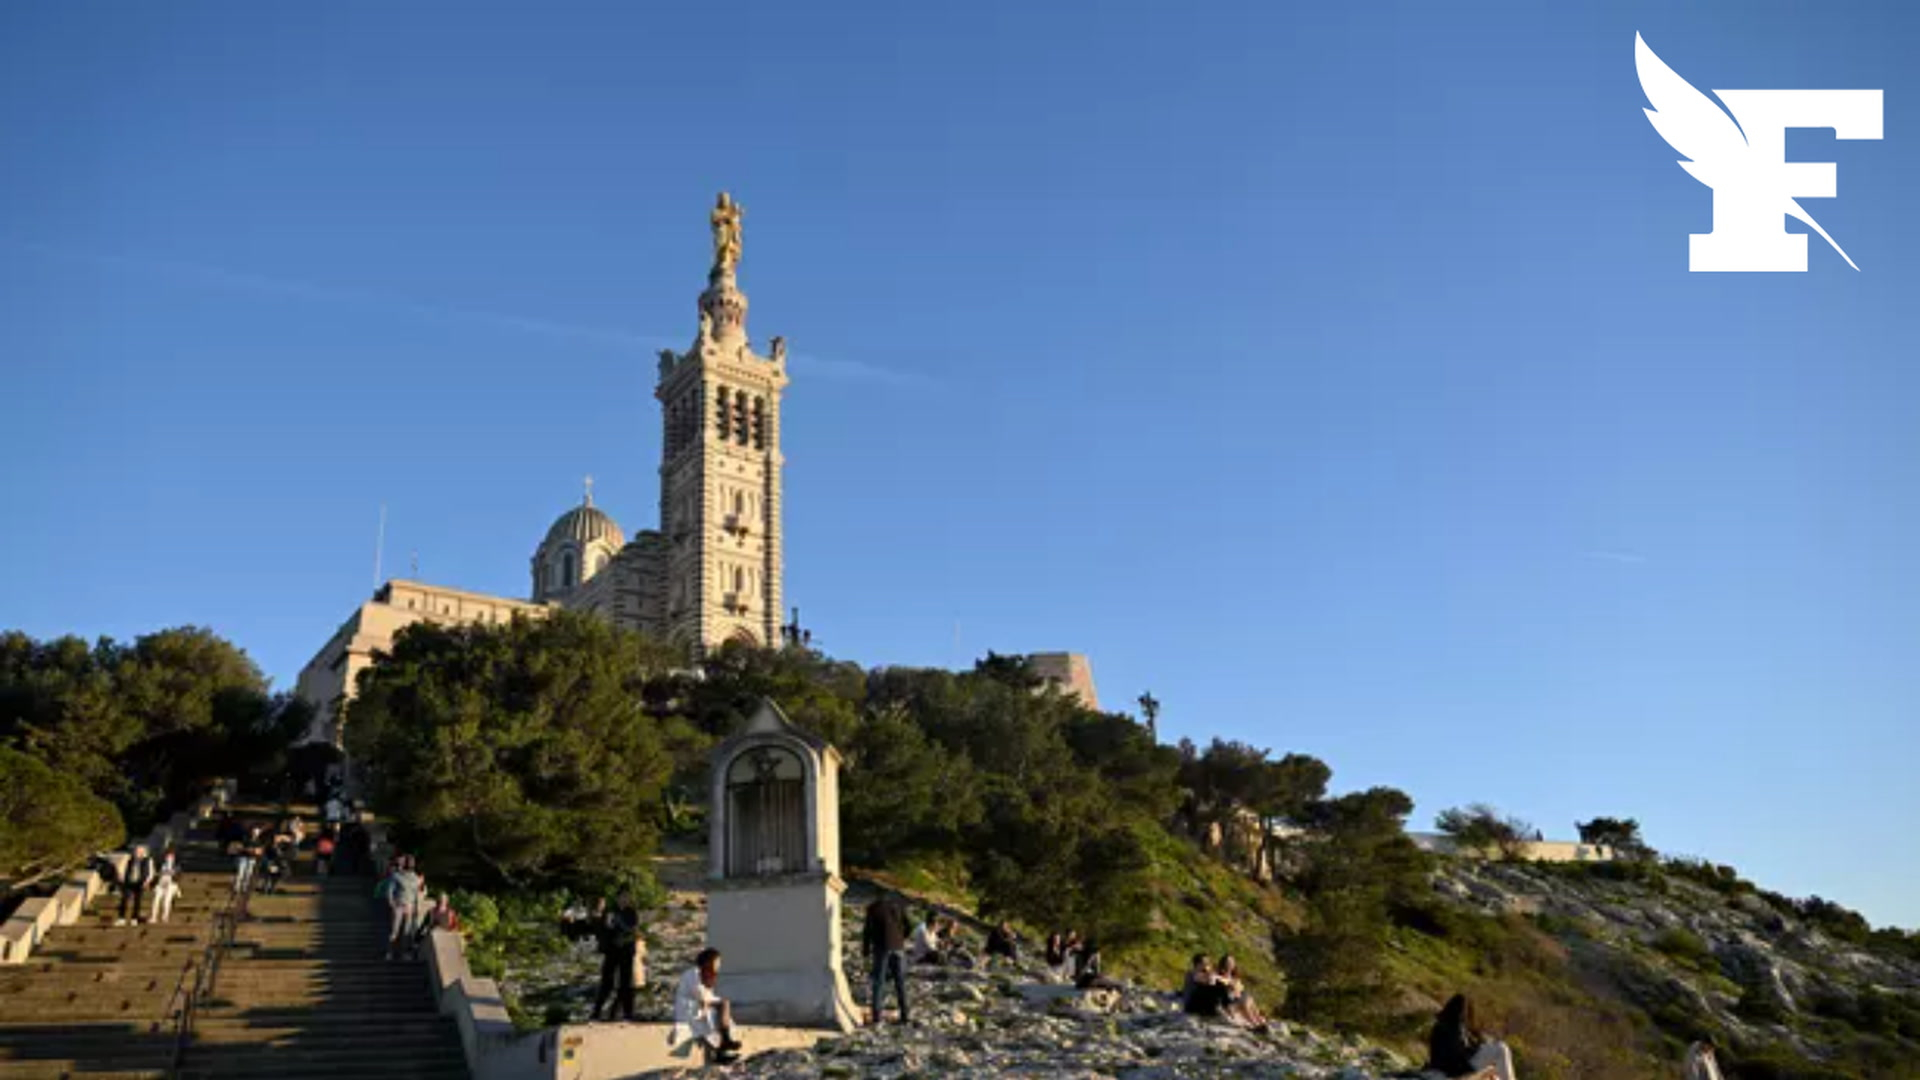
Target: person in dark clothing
(1057,954)
(619,933)
(133,885)
(1002,943)
(1086,968)
(1201,994)
(230,833)
(356,849)
(884,940)
(1451,1046)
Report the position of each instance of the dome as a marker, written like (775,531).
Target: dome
(584,524)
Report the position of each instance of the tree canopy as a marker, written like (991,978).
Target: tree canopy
(144,724)
(1480,827)
(119,732)
(49,820)
(519,753)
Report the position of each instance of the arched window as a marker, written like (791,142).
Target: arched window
(566,570)
(766,813)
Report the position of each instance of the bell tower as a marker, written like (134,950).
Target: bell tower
(720,466)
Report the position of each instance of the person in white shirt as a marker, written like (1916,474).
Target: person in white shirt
(1701,1063)
(166,887)
(924,946)
(700,1013)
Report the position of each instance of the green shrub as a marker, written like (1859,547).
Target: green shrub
(1687,948)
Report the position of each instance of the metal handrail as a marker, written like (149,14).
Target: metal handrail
(206,975)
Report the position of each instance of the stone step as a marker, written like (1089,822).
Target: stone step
(415,1058)
(292,1067)
(305,991)
(82,1070)
(278,989)
(330,1038)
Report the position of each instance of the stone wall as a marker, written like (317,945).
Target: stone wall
(1071,672)
(1530,851)
(327,681)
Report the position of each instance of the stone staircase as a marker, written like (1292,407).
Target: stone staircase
(303,993)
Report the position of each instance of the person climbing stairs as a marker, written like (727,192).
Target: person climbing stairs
(302,993)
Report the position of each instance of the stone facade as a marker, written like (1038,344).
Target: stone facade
(1071,672)
(712,572)
(327,682)
(1528,851)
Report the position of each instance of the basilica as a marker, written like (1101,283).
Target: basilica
(708,575)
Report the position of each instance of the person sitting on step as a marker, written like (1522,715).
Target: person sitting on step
(701,1014)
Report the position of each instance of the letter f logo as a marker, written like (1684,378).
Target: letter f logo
(1745,162)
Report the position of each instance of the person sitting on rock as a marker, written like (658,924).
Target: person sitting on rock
(1239,1005)
(1056,956)
(1002,943)
(1456,1048)
(701,1014)
(1200,992)
(1086,969)
(924,948)
(953,950)
(1701,1062)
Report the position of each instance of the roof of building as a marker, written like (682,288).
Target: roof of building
(586,523)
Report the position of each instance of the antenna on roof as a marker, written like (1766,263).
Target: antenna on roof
(413,566)
(379,544)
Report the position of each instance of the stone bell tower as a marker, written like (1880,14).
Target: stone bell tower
(720,466)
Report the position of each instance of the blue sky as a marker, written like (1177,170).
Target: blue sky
(1334,371)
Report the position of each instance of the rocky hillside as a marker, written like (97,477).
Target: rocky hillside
(1007,1021)
(1681,951)
(1590,972)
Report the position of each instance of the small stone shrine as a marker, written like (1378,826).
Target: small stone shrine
(773,901)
